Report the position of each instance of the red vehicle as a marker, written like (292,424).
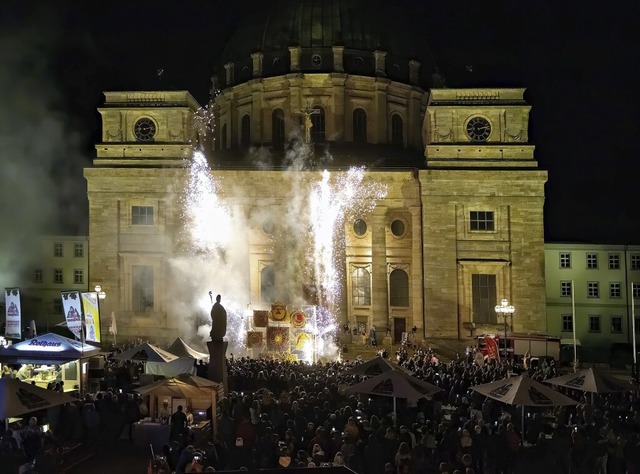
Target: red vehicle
(538,345)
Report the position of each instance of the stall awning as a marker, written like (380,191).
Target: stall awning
(46,349)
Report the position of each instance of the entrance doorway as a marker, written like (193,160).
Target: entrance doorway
(399,326)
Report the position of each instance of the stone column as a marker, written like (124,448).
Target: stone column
(380,63)
(414,72)
(229,73)
(294,53)
(379,291)
(257,63)
(338,58)
(218,363)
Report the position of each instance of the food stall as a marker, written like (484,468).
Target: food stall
(50,358)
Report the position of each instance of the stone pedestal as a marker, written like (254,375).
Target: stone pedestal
(218,363)
(386,340)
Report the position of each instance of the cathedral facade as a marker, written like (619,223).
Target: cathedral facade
(458,227)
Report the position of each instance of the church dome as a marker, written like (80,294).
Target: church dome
(360,26)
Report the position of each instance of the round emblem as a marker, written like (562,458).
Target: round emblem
(298,319)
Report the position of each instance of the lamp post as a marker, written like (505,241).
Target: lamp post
(101,296)
(502,310)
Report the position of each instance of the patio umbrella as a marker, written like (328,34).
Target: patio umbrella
(19,398)
(146,353)
(375,366)
(397,384)
(592,380)
(523,391)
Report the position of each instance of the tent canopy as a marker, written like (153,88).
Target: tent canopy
(182,386)
(146,353)
(375,366)
(523,391)
(19,398)
(48,348)
(397,384)
(592,380)
(181,349)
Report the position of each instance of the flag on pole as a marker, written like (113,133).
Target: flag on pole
(13,313)
(91,311)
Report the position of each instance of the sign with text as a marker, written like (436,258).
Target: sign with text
(91,310)
(13,313)
(72,307)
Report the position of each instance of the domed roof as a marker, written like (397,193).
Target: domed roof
(366,25)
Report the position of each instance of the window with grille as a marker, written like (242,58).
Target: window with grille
(37,276)
(361,287)
(78,277)
(482,220)
(567,323)
(594,323)
(616,324)
(592,261)
(57,275)
(483,294)
(615,289)
(614,261)
(78,249)
(593,289)
(565,260)
(635,262)
(57,249)
(399,288)
(142,215)
(565,288)
(635,289)
(142,298)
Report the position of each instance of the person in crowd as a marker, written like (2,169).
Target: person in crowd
(179,425)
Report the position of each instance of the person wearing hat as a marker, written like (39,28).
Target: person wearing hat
(164,411)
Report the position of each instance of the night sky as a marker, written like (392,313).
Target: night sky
(576,63)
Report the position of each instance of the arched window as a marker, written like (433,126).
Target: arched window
(361,287)
(223,137)
(317,129)
(397,132)
(277,128)
(399,288)
(359,126)
(245,131)
(267,284)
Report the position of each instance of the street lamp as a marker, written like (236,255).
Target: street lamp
(101,294)
(502,310)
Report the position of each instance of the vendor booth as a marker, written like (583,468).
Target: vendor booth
(50,358)
(184,364)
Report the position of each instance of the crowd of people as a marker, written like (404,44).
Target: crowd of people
(283,414)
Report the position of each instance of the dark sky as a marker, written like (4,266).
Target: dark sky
(576,63)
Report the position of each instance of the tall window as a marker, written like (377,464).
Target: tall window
(361,287)
(397,130)
(481,220)
(277,128)
(223,137)
(565,288)
(37,276)
(56,305)
(614,261)
(399,288)
(567,323)
(78,249)
(267,284)
(318,126)
(245,130)
(635,289)
(359,126)
(635,262)
(78,277)
(592,261)
(483,295)
(565,260)
(142,215)
(594,323)
(615,289)
(593,289)
(142,292)
(616,324)
(57,275)
(57,249)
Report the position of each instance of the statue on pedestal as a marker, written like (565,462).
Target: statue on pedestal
(218,321)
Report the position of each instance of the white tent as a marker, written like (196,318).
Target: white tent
(146,353)
(181,349)
(183,365)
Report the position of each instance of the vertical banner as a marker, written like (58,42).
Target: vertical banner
(91,310)
(72,307)
(492,348)
(13,313)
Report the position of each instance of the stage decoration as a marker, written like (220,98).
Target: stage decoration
(298,320)
(260,318)
(303,341)
(278,339)
(279,312)
(254,339)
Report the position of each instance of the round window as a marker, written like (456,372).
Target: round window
(360,227)
(397,228)
(316,60)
